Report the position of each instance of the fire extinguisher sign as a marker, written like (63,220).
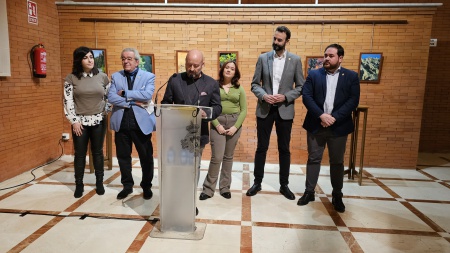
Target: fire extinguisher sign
(32,12)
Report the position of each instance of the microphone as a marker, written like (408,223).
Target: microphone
(157,92)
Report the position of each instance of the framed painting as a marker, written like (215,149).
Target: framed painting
(181,61)
(147,63)
(370,67)
(100,59)
(313,62)
(225,57)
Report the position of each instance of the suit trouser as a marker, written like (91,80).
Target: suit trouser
(96,135)
(222,152)
(336,149)
(143,143)
(264,129)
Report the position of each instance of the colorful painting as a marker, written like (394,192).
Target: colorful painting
(147,63)
(227,56)
(100,59)
(313,62)
(370,67)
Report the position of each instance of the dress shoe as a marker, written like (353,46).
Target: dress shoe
(338,204)
(203,196)
(226,195)
(284,189)
(253,190)
(124,193)
(306,198)
(148,194)
(196,211)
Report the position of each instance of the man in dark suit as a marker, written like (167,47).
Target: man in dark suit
(330,94)
(131,90)
(193,87)
(277,82)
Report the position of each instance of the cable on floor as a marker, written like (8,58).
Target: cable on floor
(34,176)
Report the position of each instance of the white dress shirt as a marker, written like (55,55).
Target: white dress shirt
(278,66)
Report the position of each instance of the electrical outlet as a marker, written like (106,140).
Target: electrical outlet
(65,136)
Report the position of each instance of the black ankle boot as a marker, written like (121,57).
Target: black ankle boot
(79,191)
(100,190)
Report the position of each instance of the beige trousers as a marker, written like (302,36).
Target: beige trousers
(222,150)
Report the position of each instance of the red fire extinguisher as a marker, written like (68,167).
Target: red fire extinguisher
(38,56)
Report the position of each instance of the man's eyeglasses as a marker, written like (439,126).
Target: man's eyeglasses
(128,58)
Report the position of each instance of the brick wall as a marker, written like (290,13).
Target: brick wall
(32,118)
(394,123)
(31,112)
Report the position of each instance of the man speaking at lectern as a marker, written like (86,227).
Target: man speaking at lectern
(193,87)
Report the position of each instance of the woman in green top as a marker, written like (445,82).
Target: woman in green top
(225,131)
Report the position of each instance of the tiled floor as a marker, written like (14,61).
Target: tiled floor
(395,210)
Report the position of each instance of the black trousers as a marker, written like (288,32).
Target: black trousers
(264,129)
(143,144)
(96,135)
(336,150)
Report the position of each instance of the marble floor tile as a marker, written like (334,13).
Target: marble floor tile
(396,173)
(422,190)
(88,235)
(374,221)
(217,239)
(396,243)
(352,188)
(270,240)
(108,203)
(437,212)
(220,208)
(379,214)
(42,197)
(278,209)
(443,173)
(15,228)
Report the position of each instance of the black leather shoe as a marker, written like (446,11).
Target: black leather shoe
(203,196)
(148,194)
(124,193)
(253,190)
(284,189)
(338,204)
(306,198)
(226,195)
(196,211)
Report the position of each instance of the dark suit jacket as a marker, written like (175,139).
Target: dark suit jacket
(177,93)
(345,101)
(262,84)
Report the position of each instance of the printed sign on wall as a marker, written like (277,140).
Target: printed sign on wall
(32,12)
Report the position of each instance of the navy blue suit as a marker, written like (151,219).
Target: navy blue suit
(346,101)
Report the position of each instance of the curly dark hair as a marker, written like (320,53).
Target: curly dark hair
(77,67)
(236,77)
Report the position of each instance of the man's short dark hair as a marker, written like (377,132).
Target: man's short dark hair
(284,29)
(340,49)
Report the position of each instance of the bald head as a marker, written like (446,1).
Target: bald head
(194,63)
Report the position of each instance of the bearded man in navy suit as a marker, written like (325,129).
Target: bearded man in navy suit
(330,95)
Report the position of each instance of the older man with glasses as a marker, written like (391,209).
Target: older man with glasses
(131,89)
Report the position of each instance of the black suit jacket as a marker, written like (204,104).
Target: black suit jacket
(345,101)
(206,93)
